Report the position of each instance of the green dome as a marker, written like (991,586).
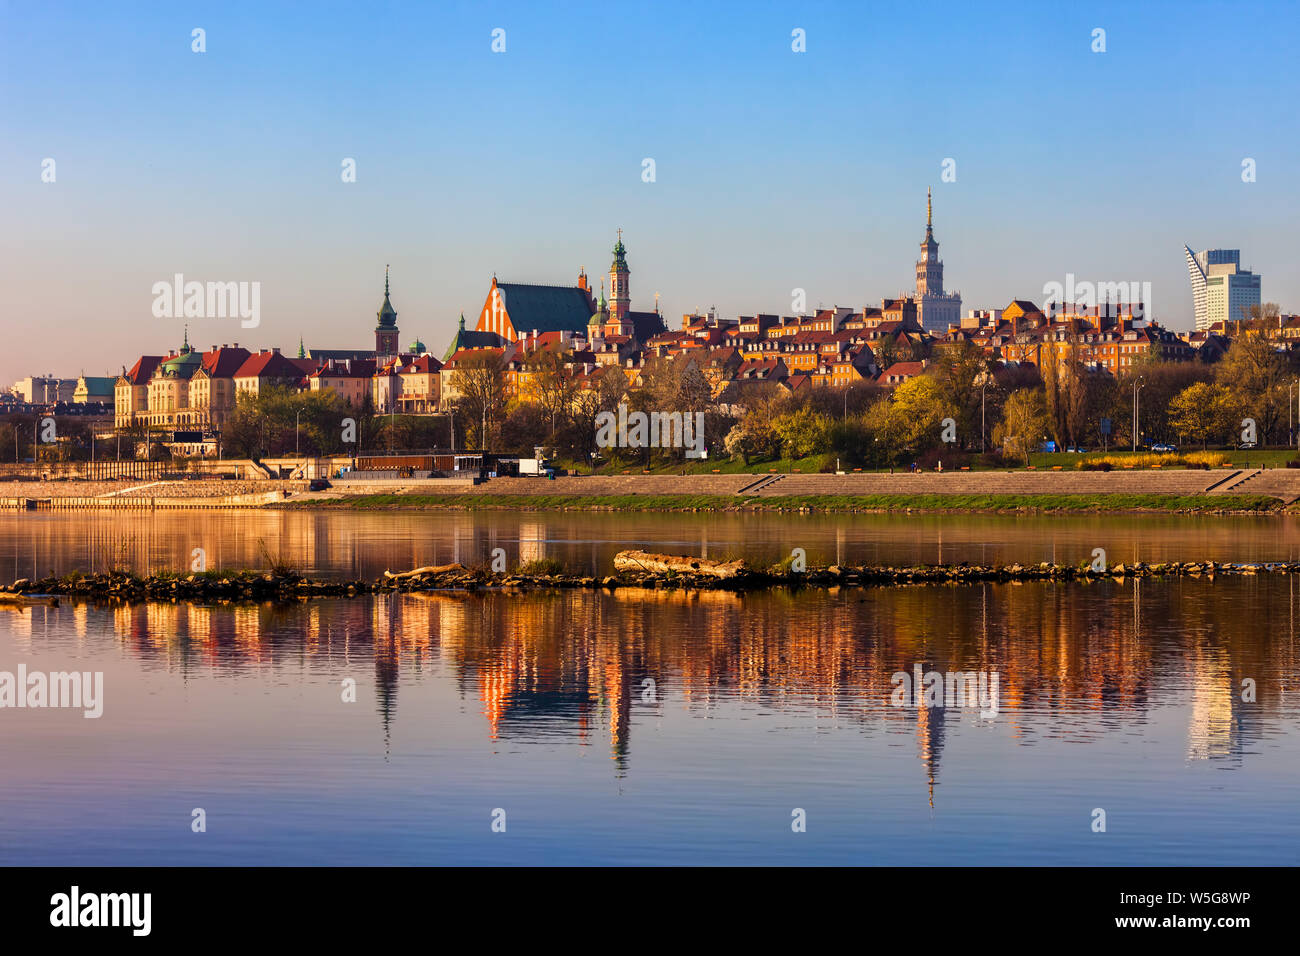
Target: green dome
(181,366)
(620,256)
(417,347)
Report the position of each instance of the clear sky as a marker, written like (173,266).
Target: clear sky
(775,170)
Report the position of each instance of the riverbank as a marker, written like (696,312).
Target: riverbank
(634,570)
(932,503)
(1160,491)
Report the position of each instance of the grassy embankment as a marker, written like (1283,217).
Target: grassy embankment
(1065,503)
(1119,459)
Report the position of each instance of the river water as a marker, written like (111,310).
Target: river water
(658,727)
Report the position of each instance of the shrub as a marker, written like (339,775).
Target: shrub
(540,567)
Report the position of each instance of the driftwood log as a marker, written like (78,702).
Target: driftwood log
(22,600)
(664,563)
(421,572)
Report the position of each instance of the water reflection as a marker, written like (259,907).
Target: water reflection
(365,544)
(1078,663)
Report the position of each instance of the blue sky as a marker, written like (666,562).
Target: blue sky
(775,170)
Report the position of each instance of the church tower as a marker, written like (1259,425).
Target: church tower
(620,296)
(596,325)
(386,334)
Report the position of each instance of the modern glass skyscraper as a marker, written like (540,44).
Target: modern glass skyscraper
(1221,290)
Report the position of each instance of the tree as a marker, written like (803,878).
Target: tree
(960,368)
(17,437)
(1202,412)
(522,428)
(1024,423)
(552,385)
(481,380)
(1054,397)
(604,395)
(921,407)
(1253,371)
(909,419)
(278,420)
(1161,380)
(803,432)
(754,437)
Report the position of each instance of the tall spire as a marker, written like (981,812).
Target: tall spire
(387,314)
(929,248)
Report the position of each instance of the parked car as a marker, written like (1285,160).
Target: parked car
(1247,444)
(1164,449)
(1076,451)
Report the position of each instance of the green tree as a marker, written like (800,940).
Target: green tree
(803,432)
(1254,372)
(960,368)
(1203,412)
(1024,423)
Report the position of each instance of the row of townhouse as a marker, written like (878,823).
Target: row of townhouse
(841,347)
(834,347)
(1111,337)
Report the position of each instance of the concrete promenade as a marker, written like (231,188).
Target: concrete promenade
(1282,484)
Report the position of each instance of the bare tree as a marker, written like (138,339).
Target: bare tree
(481,380)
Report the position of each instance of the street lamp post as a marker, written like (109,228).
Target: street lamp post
(1290,428)
(1288,410)
(1137,387)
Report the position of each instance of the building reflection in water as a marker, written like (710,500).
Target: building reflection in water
(1074,661)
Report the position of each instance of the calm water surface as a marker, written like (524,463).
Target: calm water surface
(650,727)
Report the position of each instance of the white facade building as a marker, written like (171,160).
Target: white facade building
(1222,291)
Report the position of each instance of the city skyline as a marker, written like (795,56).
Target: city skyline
(249,189)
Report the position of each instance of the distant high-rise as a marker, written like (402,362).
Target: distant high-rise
(936,310)
(1222,291)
